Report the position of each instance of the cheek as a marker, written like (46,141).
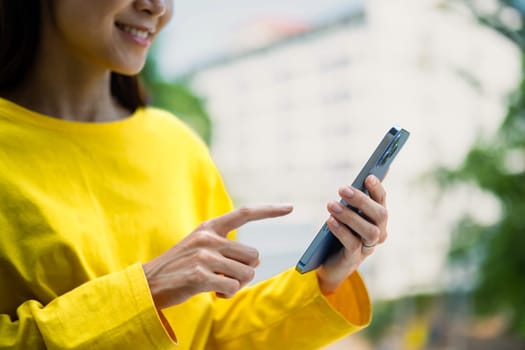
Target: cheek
(89,18)
(80,24)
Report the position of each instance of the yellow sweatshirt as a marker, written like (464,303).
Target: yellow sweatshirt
(83,205)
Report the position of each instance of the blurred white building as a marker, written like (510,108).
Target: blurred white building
(297,118)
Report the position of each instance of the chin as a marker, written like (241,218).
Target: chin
(126,73)
(129,69)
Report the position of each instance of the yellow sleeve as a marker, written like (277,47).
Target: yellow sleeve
(111,312)
(289,312)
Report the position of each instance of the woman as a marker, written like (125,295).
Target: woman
(114,219)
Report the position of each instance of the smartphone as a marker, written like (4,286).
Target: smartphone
(325,243)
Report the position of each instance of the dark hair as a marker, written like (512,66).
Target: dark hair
(20,22)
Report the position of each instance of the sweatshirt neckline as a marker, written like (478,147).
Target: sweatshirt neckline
(12,110)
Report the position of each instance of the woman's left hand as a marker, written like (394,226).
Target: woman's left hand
(368,232)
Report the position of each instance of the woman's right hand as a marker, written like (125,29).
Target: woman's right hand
(206,260)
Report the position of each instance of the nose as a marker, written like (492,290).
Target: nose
(152,7)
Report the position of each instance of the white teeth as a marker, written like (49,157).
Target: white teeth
(135,32)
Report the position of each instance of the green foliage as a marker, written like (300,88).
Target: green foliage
(384,317)
(177,98)
(389,313)
(497,252)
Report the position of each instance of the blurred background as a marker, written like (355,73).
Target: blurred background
(292,96)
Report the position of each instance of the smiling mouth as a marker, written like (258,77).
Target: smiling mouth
(139,33)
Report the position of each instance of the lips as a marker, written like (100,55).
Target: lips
(138,32)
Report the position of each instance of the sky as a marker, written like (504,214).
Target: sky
(202,29)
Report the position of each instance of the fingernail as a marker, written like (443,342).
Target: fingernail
(336,207)
(348,192)
(372,180)
(254,253)
(334,222)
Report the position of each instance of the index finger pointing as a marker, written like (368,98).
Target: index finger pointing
(240,216)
